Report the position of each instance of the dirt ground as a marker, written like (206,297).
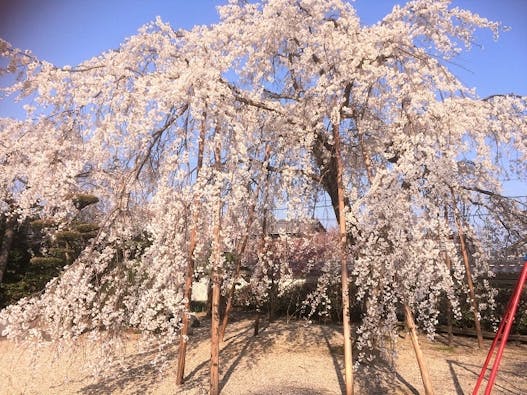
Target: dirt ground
(285,358)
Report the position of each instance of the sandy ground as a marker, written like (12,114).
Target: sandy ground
(283,359)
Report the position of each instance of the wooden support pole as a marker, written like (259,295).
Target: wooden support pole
(470,283)
(410,324)
(216,291)
(449,312)
(346,319)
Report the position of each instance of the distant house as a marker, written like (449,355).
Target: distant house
(295,227)
(510,260)
(276,228)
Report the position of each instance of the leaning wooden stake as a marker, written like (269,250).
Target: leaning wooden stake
(410,324)
(425,375)
(261,247)
(216,291)
(214,329)
(187,292)
(449,303)
(472,293)
(237,270)
(449,307)
(189,275)
(348,366)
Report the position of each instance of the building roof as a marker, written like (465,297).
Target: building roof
(510,259)
(295,227)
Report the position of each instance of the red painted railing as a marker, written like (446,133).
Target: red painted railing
(502,335)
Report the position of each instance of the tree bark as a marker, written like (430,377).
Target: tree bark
(425,376)
(189,275)
(7,241)
(348,364)
(325,156)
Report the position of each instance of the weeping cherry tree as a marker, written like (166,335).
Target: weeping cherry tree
(182,134)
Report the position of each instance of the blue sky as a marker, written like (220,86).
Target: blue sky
(70,31)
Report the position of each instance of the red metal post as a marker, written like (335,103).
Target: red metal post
(502,335)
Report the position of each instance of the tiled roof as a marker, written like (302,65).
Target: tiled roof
(295,227)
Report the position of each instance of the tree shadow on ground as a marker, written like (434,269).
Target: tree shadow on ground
(467,372)
(240,347)
(337,362)
(379,376)
(457,341)
(141,371)
(284,337)
(287,389)
(138,373)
